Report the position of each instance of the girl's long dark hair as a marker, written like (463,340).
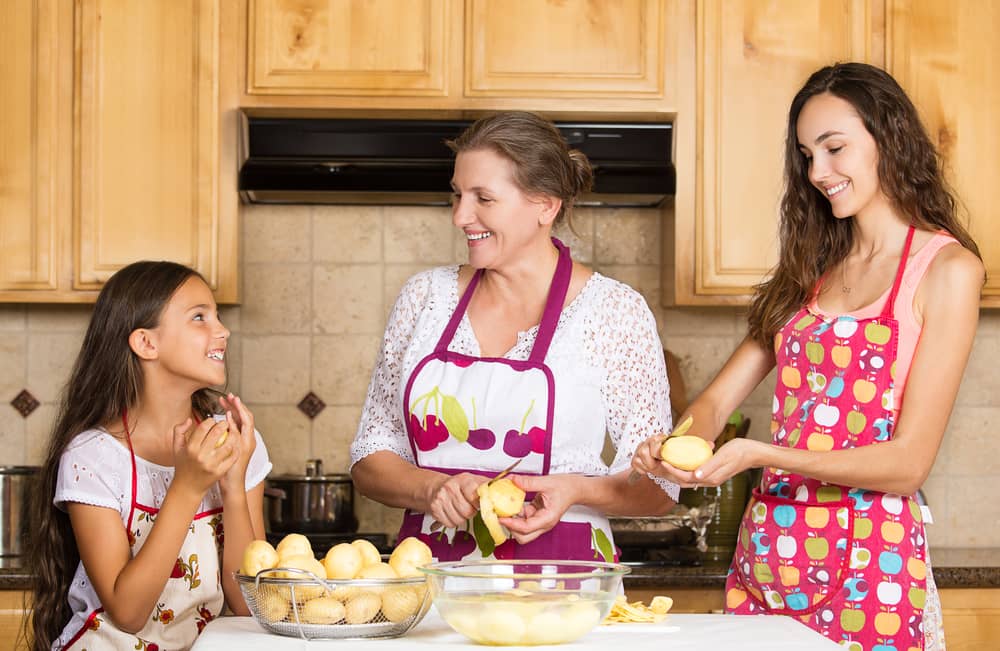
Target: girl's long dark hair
(106,380)
(812,239)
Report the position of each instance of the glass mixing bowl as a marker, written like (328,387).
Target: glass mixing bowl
(524,602)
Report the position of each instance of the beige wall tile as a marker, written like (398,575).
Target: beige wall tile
(234,362)
(644,278)
(277,233)
(342,367)
(347,299)
(935,490)
(286,433)
(347,234)
(981,383)
(230,316)
(39,433)
(580,242)
(973,513)
(59,318)
(275,369)
(699,321)
(14,362)
(419,234)
(460,246)
(667,219)
(277,299)
(971,445)
(333,431)
(13,435)
(13,317)
(989,323)
(701,357)
(50,361)
(627,236)
(396,276)
(376,518)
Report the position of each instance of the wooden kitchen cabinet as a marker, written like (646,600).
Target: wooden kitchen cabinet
(12,613)
(749,57)
(124,149)
(971,618)
(569,56)
(946,57)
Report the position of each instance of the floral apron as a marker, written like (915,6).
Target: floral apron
(848,562)
(479,415)
(191,598)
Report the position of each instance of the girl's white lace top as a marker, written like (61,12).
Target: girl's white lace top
(606,358)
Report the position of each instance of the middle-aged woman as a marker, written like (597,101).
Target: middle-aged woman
(522,354)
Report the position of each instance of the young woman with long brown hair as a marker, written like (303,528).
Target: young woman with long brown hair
(869,317)
(141,475)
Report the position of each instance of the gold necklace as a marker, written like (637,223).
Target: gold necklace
(843,279)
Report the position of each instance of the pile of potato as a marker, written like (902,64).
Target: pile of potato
(345,603)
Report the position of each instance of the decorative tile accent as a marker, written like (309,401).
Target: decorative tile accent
(311,405)
(25,403)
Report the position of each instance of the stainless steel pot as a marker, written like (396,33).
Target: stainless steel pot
(311,503)
(16,485)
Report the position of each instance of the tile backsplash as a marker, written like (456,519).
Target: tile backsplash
(319,281)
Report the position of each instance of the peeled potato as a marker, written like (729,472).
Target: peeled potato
(686,452)
(410,554)
(362,608)
(294,544)
(369,552)
(323,610)
(507,498)
(488,513)
(400,603)
(258,555)
(501,626)
(342,561)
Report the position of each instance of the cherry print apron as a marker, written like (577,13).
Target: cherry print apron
(479,415)
(848,562)
(191,598)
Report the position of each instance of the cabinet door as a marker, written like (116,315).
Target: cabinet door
(348,47)
(577,48)
(946,57)
(148,134)
(35,142)
(751,57)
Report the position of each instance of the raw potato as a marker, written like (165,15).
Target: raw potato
(499,625)
(380,571)
(410,554)
(398,604)
(259,555)
(294,544)
(507,498)
(686,452)
(323,610)
(488,513)
(362,608)
(342,561)
(273,606)
(303,593)
(369,552)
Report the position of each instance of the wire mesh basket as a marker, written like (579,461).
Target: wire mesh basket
(315,608)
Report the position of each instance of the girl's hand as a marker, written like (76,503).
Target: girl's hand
(198,462)
(453,498)
(554,494)
(239,420)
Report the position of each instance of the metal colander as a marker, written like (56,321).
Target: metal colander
(381,608)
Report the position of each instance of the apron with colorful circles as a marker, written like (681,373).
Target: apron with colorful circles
(847,562)
(479,415)
(191,598)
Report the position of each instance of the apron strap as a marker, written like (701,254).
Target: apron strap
(550,316)
(553,304)
(456,317)
(889,307)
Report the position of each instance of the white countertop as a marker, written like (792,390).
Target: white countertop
(676,633)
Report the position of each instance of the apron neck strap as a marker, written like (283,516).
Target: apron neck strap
(888,308)
(550,316)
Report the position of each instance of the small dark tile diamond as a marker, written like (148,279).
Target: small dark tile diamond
(25,403)
(311,405)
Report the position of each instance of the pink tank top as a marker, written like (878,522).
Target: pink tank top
(909,329)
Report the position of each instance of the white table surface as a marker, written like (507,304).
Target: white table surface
(675,633)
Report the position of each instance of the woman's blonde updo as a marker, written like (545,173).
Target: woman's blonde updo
(543,163)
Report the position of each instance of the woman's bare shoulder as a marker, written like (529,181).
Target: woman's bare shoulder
(955,276)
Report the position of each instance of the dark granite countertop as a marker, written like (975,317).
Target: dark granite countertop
(953,568)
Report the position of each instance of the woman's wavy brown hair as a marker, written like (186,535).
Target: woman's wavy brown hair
(812,240)
(106,380)
(543,162)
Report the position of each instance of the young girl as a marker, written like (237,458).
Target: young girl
(141,477)
(869,316)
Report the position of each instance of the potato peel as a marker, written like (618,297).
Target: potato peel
(623,612)
(490,519)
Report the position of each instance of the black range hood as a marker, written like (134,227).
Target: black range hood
(405,162)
